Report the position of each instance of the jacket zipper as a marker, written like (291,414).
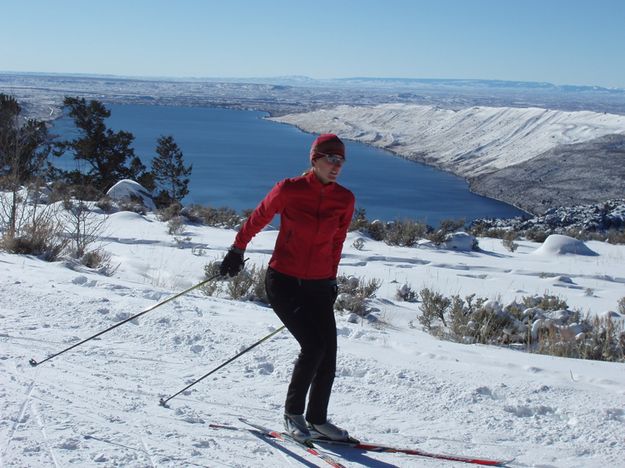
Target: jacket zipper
(310,249)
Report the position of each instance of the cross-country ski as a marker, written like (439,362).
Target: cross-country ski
(356,445)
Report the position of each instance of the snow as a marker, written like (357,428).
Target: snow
(97,405)
(460,241)
(558,244)
(469,141)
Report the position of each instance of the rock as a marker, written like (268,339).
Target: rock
(460,241)
(130,191)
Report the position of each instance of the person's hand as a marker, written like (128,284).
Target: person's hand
(233,262)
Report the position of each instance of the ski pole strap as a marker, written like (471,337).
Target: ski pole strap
(158,304)
(163,401)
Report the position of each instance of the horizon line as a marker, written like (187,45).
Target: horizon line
(298,77)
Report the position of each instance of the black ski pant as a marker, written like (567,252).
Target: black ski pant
(306,307)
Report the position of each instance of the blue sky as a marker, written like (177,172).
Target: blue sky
(558,41)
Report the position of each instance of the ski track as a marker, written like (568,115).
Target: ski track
(20,417)
(42,429)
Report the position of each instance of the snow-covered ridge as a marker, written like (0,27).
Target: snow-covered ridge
(468,142)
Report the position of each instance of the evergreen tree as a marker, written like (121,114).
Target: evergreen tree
(24,146)
(108,155)
(170,173)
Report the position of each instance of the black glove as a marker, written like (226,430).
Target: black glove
(232,263)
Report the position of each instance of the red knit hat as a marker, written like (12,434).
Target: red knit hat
(328,143)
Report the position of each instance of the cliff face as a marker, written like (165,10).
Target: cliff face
(532,158)
(568,175)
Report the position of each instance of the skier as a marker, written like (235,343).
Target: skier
(315,213)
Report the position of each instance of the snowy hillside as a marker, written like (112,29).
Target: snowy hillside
(468,142)
(97,405)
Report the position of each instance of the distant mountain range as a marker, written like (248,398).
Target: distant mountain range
(42,93)
(299,80)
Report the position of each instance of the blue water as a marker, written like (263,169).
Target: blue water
(238,156)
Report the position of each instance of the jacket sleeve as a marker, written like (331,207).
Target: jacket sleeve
(341,233)
(261,216)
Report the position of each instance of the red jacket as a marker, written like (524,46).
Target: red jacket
(313,224)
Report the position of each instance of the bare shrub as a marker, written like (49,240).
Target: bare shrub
(508,240)
(433,307)
(99,260)
(545,302)
(106,205)
(170,212)
(249,285)
(29,227)
(437,237)
(43,239)
(463,324)
(377,230)
(198,250)
(621,305)
(448,226)
(354,293)
(536,235)
(602,339)
(259,291)
(553,330)
(81,225)
(175,226)
(405,233)
(358,244)
(406,293)
(217,217)
(615,236)
(239,286)
(211,270)
(132,203)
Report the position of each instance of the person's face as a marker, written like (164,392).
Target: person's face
(327,167)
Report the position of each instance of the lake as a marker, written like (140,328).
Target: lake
(238,156)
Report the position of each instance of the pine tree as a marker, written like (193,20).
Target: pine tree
(108,154)
(170,173)
(24,145)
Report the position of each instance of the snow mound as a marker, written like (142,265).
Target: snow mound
(460,241)
(129,189)
(558,244)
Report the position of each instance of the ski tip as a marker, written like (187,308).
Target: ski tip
(506,462)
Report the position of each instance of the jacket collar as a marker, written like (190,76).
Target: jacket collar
(315,183)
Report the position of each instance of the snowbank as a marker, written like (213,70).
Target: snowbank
(97,404)
(558,244)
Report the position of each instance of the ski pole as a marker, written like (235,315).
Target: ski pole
(158,304)
(163,401)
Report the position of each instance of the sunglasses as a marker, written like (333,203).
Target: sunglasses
(334,159)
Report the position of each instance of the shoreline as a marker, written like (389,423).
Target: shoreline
(557,159)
